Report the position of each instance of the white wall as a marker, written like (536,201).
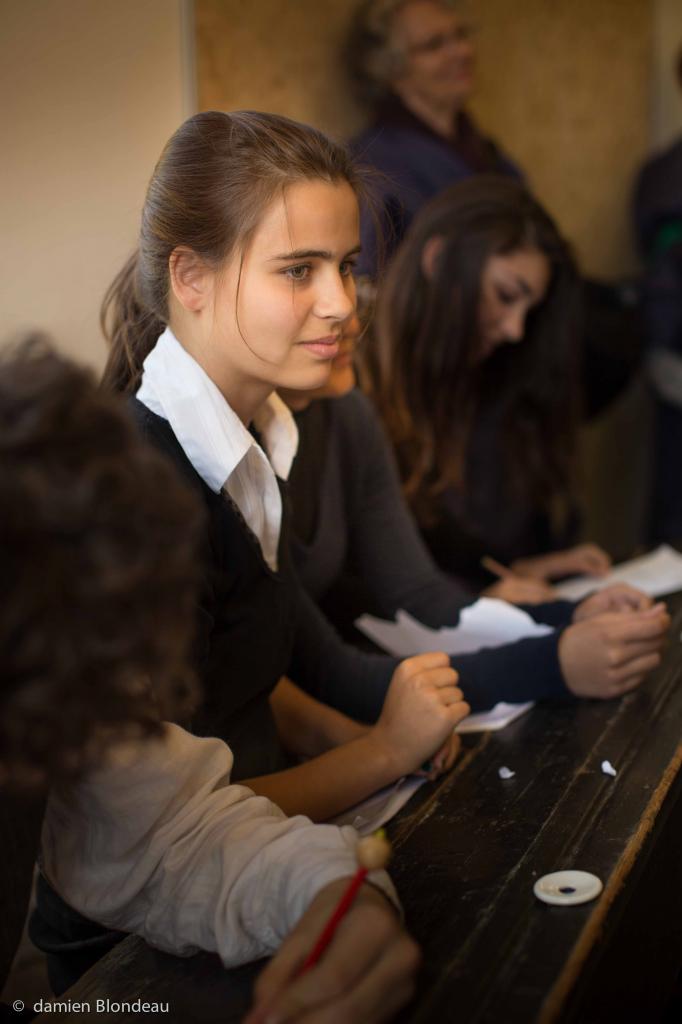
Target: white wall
(666,93)
(91,90)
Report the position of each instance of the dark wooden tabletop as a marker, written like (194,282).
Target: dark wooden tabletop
(468,851)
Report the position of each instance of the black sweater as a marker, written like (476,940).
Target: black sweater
(350,520)
(256,625)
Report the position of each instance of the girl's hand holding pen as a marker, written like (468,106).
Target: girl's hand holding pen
(366,973)
(582,560)
(514,588)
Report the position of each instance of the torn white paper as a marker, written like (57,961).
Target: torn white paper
(659,572)
(486,623)
(505,773)
(379,808)
(490,721)
(608,768)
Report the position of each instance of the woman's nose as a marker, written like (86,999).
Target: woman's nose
(336,298)
(514,326)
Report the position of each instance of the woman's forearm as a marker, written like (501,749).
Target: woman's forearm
(331,783)
(306,726)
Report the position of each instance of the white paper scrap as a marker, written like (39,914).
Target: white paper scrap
(659,572)
(497,718)
(486,623)
(369,815)
(608,768)
(505,773)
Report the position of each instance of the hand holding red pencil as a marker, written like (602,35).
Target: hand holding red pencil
(348,959)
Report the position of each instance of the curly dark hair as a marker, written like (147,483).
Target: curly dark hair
(99,572)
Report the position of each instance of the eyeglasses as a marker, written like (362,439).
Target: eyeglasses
(460,34)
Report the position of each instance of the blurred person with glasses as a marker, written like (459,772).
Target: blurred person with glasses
(413,62)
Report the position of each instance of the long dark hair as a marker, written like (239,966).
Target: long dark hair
(215,177)
(422,369)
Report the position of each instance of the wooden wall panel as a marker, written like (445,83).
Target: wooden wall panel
(564,85)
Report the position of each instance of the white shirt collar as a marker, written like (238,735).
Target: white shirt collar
(211,434)
(223,452)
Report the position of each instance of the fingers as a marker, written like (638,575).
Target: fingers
(449,754)
(432,669)
(623,597)
(446,756)
(625,654)
(638,626)
(368,966)
(375,999)
(451,695)
(636,669)
(424,662)
(531,591)
(277,973)
(458,712)
(517,590)
(454,751)
(594,559)
(279,985)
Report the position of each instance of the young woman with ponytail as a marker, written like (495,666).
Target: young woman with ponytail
(242,283)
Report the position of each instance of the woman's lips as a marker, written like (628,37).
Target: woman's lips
(325,348)
(345,356)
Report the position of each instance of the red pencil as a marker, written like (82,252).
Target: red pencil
(372,853)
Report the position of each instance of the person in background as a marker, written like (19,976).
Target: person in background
(357,549)
(473,370)
(413,62)
(657,208)
(98,543)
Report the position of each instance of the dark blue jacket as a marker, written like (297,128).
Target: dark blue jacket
(415,164)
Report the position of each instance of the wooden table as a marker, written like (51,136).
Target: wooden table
(468,851)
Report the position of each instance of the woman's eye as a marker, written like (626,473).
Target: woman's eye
(299,272)
(347,268)
(506,297)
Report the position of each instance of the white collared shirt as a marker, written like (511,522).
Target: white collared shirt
(216,442)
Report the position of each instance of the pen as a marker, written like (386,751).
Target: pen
(495,567)
(372,853)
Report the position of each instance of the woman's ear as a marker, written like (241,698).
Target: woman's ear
(191,279)
(430,253)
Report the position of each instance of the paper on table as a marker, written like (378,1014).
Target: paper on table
(659,572)
(490,721)
(486,623)
(379,808)
(371,814)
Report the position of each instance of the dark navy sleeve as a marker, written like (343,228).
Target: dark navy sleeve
(526,670)
(552,613)
(356,682)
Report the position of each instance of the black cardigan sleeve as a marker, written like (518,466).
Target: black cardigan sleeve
(356,682)
(386,547)
(385,544)
(334,672)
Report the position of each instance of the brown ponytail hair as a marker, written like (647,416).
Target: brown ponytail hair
(215,178)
